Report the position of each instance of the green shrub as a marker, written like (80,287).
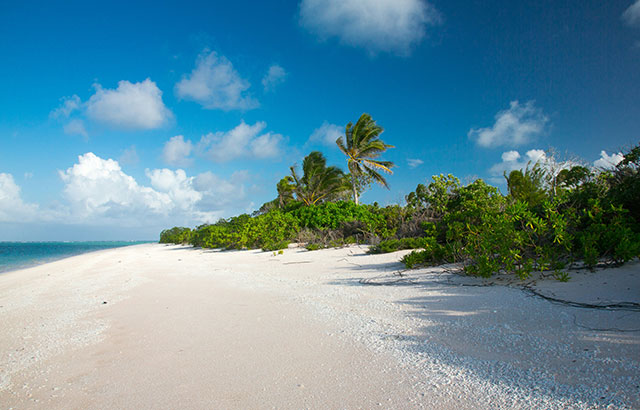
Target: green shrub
(432,254)
(177,235)
(393,245)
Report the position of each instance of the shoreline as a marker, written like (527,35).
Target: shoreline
(41,261)
(442,341)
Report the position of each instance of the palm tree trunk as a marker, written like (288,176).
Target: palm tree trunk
(355,191)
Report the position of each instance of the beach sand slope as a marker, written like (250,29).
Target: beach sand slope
(161,327)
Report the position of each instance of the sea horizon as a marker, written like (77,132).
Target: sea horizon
(16,255)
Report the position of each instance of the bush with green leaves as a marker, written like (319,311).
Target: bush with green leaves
(177,235)
(271,231)
(432,253)
(341,215)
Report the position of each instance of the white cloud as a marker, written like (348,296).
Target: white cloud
(326,134)
(510,156)
(631,16)
(414,163)
(512,160)
(99,192)
(202,196)
(608,161)
(275,76)
(215,84)
(515,126)
(378,26)
(68,106)
(176,151)
(12,207)
(177,185)
(242,141)
(130,106)
(75,127)
(266,145)
(98,187)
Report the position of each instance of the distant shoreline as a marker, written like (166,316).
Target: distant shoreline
(27,254)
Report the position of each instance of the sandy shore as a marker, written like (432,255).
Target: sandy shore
(164,327)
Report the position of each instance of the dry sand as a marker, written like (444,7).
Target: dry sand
(165,327)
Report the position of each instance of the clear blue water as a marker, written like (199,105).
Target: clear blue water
(18,255)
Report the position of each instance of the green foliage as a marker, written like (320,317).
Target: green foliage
(528,185)
(432,254)
(314,246)
(358,219)
(393,245)
(606,233)
(434,198)
(581,215)
(562,276)
(318,182)
(624,184)
(177,235)
(270,231)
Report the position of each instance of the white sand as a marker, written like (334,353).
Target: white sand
(191,328)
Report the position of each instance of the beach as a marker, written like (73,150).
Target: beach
(166,326)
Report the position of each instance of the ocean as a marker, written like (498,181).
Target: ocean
(18,255)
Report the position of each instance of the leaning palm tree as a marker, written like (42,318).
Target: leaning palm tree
(318,181)
(362,145)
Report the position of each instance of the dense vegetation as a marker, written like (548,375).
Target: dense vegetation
(551,217)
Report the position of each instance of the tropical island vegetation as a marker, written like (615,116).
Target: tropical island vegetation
(553,216)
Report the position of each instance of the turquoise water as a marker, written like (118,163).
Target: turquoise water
(18,255)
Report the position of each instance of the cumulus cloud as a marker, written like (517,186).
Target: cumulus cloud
(201,196)
(377,26)
(512,160)
(75,127)
(631,16)
(414,163)
(242,141)
(326,134)
(177,185)
(98,187)
(68,105)
(266,145)
(99,191)
(608,161)
(215,84)
(12,207)
(515,126)
(275,76)
(176,151)
(130,106)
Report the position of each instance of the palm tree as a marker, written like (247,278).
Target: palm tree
(528,185)
(362,145)
(318,181)
(285,189)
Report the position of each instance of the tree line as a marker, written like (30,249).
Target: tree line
(554,216)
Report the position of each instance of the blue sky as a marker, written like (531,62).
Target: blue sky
(119,120)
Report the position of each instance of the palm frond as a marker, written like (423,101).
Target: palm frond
(377,177)
(340,143)
(382,165)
